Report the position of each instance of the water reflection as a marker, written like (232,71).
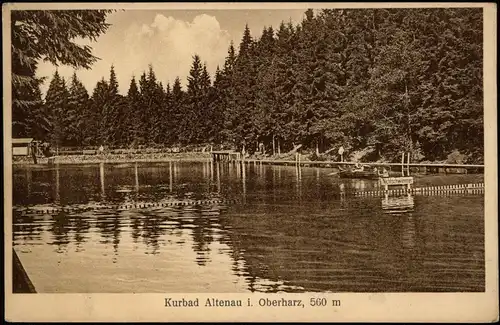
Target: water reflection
(398,204)
(244,182)
(298,182)
(101,177)
(136,174)
(294,230)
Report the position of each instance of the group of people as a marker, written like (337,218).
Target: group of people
(40,149)
(383,173)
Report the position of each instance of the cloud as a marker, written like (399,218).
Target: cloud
(165,42)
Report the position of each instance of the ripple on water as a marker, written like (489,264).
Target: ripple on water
(287,234)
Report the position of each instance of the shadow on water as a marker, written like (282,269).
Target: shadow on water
(294,230)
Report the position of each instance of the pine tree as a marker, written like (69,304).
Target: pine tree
(111,112)
(98,134)
(133,117)
(143,118)
(217,106)
(285,67)
(265,92)
(193,125)
(177,111)
(224,88)
(47,35)
(78,105)
(152,100)
(168,118)
(242,128)
(56,108)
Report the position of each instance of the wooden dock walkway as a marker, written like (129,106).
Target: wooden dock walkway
(461,189)
(415,167)
(226,155)
(21,282)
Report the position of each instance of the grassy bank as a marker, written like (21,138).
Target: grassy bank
(116,158)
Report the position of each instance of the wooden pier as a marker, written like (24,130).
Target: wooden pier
(226,155)
(21,282)
(413,167)
(461,189)
(391,181)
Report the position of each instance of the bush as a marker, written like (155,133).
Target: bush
(455,157)
(315,157)
(417,154)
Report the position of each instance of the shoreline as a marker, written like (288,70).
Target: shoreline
(25,161)
(110,159)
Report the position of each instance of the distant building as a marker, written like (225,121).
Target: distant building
(22,146)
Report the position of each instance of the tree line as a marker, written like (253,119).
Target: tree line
(382,80)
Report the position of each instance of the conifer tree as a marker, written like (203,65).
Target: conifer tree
(193,124)
(177,113)
(78,105)
(217,106)
(98,114)
(224,88)
(242,129)
(56,108)
(47,35)
(132,117)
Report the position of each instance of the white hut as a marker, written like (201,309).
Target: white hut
(22,146)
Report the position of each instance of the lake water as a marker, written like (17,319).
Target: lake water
(289,230)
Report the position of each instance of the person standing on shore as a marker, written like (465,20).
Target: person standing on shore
(34,153)
(46,150)
(341,153)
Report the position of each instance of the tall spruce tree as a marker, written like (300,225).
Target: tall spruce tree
(193,125)
(224,88)
(178,114)
(132,117)
(242,129)
(49,35)
(78,105)
(99,112)
(56,108)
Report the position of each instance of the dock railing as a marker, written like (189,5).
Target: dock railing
(430,167)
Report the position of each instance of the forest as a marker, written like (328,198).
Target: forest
(384,81)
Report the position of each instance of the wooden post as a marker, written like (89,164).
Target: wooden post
(274,146)
(170,174)
(408,164)
(403,164)
(33,154)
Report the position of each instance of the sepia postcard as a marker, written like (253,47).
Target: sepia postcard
(236,162)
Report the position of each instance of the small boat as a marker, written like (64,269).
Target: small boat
(362,173)
(358,174)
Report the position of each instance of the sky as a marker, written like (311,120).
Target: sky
(167,39)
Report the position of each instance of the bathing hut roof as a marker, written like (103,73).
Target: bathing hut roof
(22,140)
